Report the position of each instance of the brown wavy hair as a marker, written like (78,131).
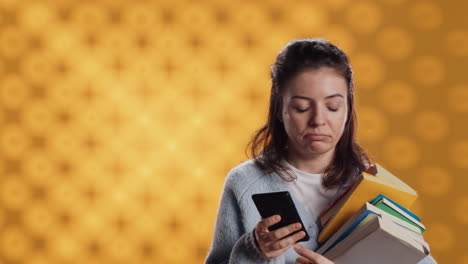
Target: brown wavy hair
(268,144)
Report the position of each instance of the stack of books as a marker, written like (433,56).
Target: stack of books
(370,222)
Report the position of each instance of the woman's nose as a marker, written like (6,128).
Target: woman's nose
(317,118)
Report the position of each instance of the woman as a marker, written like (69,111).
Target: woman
(306,147)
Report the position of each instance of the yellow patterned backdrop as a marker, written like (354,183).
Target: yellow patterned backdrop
(120,119)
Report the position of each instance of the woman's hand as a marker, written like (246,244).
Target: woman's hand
(274,243)
(309,257)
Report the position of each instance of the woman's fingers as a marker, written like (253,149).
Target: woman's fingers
(302,260)
(263,225)
(286,242)
(274,243)
(284,231)
(261,229)
(311,255)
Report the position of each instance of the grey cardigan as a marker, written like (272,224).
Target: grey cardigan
(233,238)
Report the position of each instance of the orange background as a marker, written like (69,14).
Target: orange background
(120,119)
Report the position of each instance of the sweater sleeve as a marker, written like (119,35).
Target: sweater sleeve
(231,243)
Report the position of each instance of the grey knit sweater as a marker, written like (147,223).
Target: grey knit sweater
(233,239)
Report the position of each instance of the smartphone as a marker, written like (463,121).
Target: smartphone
(279,203)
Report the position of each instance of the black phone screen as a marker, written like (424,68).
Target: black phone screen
(280,203)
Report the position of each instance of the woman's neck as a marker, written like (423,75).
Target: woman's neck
(316,164)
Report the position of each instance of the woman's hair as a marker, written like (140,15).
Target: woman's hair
(268,145)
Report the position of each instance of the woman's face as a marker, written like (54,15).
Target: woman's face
(314,111)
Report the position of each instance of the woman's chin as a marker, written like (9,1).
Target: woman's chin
(317,148)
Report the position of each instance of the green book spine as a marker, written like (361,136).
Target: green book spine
(389,210)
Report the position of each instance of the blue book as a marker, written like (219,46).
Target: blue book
(380,196)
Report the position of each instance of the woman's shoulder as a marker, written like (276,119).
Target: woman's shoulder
(246,174)
(245,167)
(245,170)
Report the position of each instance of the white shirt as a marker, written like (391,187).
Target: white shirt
(309,190)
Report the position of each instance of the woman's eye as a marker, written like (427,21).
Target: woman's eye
(332,109)
(300,110)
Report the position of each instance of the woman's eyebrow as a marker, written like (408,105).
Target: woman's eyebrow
(301,97)
(334,95)
(308,98)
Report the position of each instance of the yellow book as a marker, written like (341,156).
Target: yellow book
(365,188)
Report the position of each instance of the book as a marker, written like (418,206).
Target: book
(328,213)
(365,188)
(379,240)
(396,210)
(378,197)
(363,215)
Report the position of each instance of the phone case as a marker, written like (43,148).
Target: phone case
(280,203)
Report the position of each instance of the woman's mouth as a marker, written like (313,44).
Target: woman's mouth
(316,137)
